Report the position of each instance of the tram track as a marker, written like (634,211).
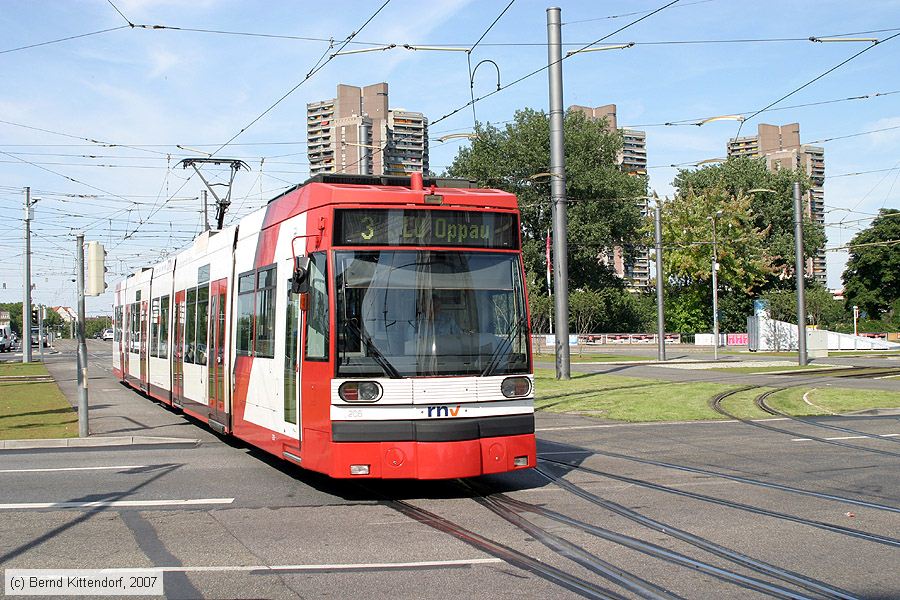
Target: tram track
(819,588)
(715,404)
(738,479)
(839,529)
(510,509)
(497,503)
(764,406)
(514,557)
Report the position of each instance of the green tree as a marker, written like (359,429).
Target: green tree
(822,310)
(872,276)
(15,315)
(687,222)
(601,209)
(773,212)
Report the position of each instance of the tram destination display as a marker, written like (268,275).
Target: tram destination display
(400,227)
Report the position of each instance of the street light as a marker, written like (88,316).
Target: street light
(720,118)
(601,49)
(715,285)
(842,39)
(456,136)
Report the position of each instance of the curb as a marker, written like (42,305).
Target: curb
(873,412)
(646,363)
(93,442)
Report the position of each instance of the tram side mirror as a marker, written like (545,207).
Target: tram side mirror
(300,279)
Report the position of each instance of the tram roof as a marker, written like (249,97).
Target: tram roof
(341,188)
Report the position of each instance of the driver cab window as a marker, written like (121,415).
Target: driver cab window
(317,316)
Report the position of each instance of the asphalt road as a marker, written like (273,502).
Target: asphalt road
(226,521)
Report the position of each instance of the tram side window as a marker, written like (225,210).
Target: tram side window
(118,331)
(265,313)
(163,349)
(317,316)
(246,286)
(202,324)
(190,322)
(154,327)
(135,327)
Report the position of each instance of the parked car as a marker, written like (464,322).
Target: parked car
(107,335)
(6,343)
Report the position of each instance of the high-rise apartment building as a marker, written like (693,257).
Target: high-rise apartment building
(358,133)
(781,147)
(632,158)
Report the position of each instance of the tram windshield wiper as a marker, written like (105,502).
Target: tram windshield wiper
(374,352)
(503,347)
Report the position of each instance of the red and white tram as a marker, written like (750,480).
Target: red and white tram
(357,326)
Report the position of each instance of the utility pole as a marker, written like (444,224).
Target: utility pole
(558,192)
(83,429)
(799,272)
(205,210)
(660,315)
(26,302)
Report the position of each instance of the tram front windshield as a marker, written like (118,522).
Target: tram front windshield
(403,313)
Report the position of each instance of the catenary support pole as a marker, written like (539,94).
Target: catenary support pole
(26,283)
(715,290)
(799,273)
(205,210)
(660,315)
(558,193)
(83,429)
(41,332)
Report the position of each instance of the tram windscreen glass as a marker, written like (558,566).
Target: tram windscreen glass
(405,313)
(401,227)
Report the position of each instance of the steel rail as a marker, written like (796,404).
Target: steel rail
(863,535)
(739,479)
(716,549)
(716,404)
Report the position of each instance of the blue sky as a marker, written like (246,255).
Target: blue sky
(151,89)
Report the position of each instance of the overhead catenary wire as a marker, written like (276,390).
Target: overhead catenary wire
(816,78)
(121,14)
(545,67)
(63,39)
(316,68)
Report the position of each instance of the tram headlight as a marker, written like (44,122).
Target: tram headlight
(516,387)
(360,391)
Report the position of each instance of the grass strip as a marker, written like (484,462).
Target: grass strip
(834,400)
(20,369)
(31,410)
(587,357)
(626,398)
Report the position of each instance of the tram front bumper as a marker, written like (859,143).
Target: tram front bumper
(432,450)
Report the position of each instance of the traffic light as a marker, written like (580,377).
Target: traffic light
(96,269)
(34,316)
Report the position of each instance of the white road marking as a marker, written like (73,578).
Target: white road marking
(847,437)
(119,467)
(810,402)
(323,567)
(114,503)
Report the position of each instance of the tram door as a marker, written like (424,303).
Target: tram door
(178,351)
(143,335)
(126,339)
(218,302)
